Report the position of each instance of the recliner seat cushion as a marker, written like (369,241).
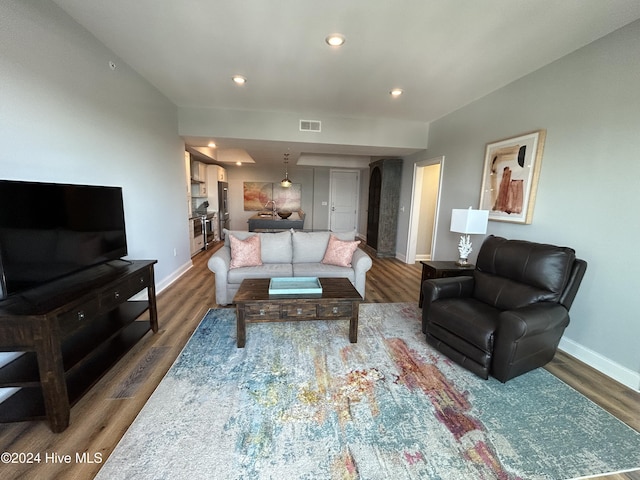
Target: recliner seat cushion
(467,319)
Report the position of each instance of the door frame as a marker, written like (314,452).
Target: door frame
(357,199)
(414,212)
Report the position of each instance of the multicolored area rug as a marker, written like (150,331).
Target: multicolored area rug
(301,402)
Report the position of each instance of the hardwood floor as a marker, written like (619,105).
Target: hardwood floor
(101,417)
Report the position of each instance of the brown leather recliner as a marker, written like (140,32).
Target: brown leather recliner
(508,318)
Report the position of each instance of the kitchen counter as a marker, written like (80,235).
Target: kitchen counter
(269,222)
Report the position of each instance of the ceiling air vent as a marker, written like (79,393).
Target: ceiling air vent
(310,125)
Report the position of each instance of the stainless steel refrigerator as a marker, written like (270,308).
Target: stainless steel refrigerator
(223,207)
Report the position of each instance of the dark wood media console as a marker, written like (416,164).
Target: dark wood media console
(72,330)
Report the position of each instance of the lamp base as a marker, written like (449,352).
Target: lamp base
(464,249)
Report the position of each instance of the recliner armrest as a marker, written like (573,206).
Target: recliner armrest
(440,288)
(450,287)
(527,338)
(531,320)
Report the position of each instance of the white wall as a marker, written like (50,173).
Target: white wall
(284,126)
(589,103)
(67,117)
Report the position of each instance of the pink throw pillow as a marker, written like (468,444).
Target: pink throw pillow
(245,253)
(339,252)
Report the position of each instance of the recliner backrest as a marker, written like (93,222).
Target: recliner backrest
(514,273)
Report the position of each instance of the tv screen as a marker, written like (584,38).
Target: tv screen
(50,230)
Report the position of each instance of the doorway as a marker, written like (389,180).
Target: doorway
(344,186)
(425,206)
(373,215)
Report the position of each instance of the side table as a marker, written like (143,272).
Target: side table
(432,269)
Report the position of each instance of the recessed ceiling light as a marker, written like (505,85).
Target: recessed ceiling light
(211,145)
(335,40)
(239,164)
(396,92)
(239,79)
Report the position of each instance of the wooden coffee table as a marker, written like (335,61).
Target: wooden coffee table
(339,301)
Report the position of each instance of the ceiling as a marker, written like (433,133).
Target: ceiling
(444,54)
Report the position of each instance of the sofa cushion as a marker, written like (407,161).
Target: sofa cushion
(339,252)
(276,247)
(245,253)
(239,234)
(321,270)
(266,270)
(310,247)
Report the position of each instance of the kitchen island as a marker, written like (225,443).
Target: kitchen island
(271,222)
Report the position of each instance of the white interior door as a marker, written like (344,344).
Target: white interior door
(345,191)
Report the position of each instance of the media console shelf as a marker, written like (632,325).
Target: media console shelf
(73,330)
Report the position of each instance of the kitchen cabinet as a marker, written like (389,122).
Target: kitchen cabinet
(221,173)
(261,222)
(196,238)
(198,171)
(199,190)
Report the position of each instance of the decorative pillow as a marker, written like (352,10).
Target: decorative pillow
(339,252)
(245,253)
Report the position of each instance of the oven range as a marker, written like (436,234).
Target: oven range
(203,231)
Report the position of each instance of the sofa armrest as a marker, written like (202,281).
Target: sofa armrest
(219,264)
(361,264)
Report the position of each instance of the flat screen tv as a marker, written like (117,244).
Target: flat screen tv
(50,230)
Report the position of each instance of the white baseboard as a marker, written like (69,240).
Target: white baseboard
(621,374)
(165,282)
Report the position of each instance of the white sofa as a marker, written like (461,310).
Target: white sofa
(286,254)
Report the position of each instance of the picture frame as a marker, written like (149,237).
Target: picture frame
(257,194)
(510,177)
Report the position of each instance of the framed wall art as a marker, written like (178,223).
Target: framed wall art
(257,194)
(510,177)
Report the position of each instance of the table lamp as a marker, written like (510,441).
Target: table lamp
(468,222)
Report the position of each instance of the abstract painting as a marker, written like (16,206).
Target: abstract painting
(510,177)
(257,194)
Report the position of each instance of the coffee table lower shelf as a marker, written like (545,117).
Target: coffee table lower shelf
(339,301)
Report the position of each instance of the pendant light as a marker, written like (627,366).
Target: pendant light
(285,182)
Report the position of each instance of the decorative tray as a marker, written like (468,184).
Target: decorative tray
(294,286)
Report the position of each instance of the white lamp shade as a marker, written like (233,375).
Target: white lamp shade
(469,221)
